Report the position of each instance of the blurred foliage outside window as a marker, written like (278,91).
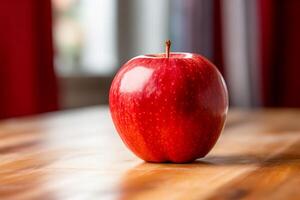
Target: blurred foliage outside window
(85,36)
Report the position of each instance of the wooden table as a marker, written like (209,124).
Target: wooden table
(78,155)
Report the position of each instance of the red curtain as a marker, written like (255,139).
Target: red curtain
(27,79)
(217,37)
(280,52)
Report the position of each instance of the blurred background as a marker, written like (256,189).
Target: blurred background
(62,54)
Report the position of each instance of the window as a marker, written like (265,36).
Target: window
(85,36)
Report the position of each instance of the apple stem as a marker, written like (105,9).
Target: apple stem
(168,46)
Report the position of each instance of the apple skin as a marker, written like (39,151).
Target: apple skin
(169,109)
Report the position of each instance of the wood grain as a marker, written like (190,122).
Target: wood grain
(78,155)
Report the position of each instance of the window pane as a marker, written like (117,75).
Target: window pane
(85,36)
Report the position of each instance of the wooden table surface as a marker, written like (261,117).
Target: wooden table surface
(78,155)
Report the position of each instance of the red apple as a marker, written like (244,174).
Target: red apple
(169,107)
